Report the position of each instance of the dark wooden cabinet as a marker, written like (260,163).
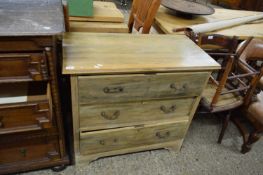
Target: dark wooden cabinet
(31,121)
(253,5)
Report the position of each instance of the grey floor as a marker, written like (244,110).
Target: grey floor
(200,154)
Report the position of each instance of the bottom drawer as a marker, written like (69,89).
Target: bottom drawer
(130,137)
(34,149)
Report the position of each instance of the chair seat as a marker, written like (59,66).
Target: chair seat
(255,110)
(225,102)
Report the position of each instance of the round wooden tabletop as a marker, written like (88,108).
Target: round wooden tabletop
(188,7)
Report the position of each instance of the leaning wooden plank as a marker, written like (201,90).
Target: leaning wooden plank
(98,27)
(209,27)
(103,12)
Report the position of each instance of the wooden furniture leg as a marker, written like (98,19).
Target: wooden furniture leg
(225,124)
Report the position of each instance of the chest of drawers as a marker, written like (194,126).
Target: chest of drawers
(131,93)
(31,125)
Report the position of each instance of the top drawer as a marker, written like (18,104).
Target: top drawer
(25,43)
(104,89)
(23,67)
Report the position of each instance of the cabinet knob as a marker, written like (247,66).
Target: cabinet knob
(23,151)
(1,122)
(48,49)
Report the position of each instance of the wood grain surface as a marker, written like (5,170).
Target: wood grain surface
(102,12)
(123,88)
(98,27)
(121,138)
(90,53)
(128,114)
(167,21)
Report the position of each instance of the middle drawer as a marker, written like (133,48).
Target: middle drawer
(123,88)
(127,114)
(16,67)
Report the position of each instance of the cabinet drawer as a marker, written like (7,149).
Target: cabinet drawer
(25,44)
(25,117)
(128,114)
(130,137)
(104,89)
(34,149)
(23,66)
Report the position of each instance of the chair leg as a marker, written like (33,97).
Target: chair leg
(245,134)
(253,137)
(225,124)
(245,148)
(248,137)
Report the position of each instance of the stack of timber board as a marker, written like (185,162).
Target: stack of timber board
(106,19)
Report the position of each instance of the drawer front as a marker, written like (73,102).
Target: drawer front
(130,137)
(34,149)
(104,89)
(128,114)
(25,44)
(26,66)
(25,117)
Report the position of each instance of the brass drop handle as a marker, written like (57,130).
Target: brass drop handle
(168,110)
(114,116)
(184,87)
(23,151)
(108,90)
(163,135)
(1,122)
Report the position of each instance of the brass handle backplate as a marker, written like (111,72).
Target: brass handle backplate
(163,135)
(114,116)
(168,110)
(108,90)
(103,142)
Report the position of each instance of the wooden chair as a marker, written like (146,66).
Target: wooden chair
(252,55)
(232,90)
(253,111)
(219,47)
(142,15)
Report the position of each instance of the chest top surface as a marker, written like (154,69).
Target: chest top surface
(87,53)
(31,17)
